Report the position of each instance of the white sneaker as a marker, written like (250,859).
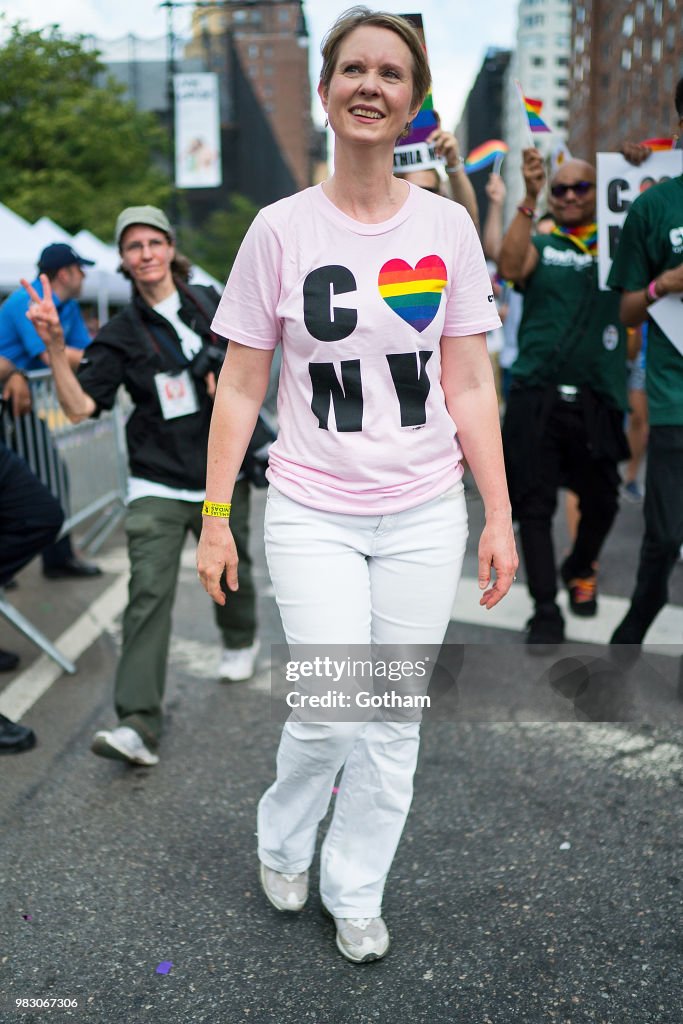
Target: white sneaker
(123,744)
(238,663)
(285,892)
(362,939)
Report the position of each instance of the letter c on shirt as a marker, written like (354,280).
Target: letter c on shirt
(323,320)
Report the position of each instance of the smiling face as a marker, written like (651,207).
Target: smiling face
(370,95)
(573,208)
(146,254)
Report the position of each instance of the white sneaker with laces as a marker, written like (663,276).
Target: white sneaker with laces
(362,939)
(238,663)
(123,744)
(285,892)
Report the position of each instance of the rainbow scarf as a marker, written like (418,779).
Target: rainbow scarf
(584,237)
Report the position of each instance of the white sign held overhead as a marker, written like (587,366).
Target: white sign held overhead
(619,183)
(197,131)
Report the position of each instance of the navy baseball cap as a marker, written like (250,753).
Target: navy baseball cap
(58,255)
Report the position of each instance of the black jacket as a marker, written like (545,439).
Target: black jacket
(130,350)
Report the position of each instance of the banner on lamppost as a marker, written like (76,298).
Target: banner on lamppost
(197,131)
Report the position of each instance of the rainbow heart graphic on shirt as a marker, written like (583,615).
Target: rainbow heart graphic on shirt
(414,293)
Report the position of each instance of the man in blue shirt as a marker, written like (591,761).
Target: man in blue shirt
(20,344)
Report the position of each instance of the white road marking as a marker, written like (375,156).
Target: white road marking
(30,685)
(665,635)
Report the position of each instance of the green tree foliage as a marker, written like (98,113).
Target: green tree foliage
(214,245)
(71,150)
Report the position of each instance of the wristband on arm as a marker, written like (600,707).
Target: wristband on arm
(652,291)
(216,510)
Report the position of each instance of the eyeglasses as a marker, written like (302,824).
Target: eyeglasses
(579,188)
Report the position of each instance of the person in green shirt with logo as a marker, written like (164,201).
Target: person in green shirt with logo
(564,417)
(648,266)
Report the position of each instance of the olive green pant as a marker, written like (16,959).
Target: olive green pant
(156,530)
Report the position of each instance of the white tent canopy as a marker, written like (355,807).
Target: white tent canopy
(21,244)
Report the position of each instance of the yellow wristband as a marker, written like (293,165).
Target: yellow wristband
(214,508)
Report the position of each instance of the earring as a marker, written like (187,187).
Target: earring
(406,130)
(327,123)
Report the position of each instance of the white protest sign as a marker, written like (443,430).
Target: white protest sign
(618,184)
(197,131)
(668,314)
(416,157)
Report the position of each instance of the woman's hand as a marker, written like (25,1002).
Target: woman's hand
(42,313)
(497,548)
(216,553)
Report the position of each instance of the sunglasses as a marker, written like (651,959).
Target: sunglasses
(579,188)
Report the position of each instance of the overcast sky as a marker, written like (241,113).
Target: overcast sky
(458,34)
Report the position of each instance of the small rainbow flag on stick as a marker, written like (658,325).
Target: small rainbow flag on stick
(485,155)
(532,110)
(659,145)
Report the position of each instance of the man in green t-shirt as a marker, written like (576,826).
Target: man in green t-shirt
(649,265)
(563,422)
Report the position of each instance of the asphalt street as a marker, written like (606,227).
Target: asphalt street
(539,879)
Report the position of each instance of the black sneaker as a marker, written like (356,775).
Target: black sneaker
(14,737)
(583,592)
(627,640)
(545,629)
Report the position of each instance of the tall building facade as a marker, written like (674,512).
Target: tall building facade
(482,116)
(540,63)
(627,58)
(260,52)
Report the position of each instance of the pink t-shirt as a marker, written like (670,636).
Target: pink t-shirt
(360,310)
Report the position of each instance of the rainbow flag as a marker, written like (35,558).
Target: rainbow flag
(658,145)
(533,111)
(485,155)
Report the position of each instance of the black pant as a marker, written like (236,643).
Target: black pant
(30,516)
(29,433)
(663,523)
(561,454)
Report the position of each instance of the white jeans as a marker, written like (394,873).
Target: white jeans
(346,579)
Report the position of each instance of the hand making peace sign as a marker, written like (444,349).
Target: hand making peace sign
(42,313)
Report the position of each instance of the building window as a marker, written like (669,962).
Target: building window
(562,102)
(562,62)
(626,60)
(670,37)
(637,47)
(656,49)
(659,6)
(268,69)
(268,52)
(562,83)
(627,26)
(252,51)
(239,16)
(533,20)
(537,62)
(283,16)
(562,41)
(562,123)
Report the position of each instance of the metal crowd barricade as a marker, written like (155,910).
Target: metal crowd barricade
(84,465)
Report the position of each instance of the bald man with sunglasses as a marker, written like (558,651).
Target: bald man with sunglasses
(563,422)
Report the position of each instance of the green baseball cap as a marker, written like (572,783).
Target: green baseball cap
(150,216)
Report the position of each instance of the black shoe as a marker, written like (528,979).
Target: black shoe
(8,661)
(629,631)
(545,629)
(583,592)
(626,641)
(14,737)
(73,567)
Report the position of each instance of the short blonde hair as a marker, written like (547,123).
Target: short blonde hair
(357,17)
